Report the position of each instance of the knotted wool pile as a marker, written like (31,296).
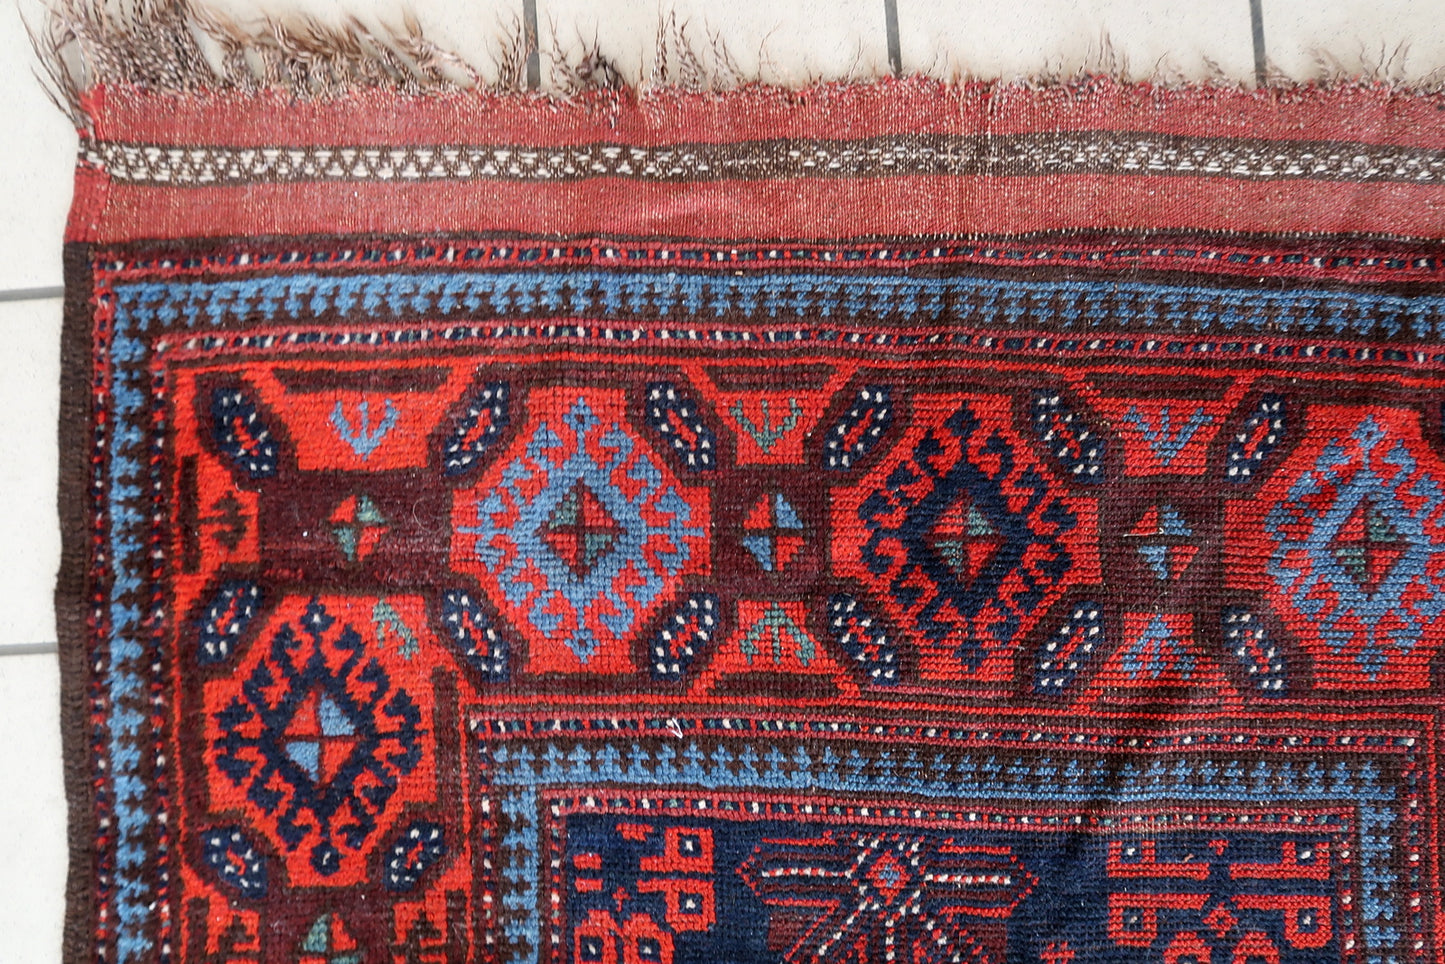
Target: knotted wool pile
(889,522)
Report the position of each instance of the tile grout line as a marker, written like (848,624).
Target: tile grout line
(31,294)
(1256,28)
(534,55)
(895,48)
(28,649)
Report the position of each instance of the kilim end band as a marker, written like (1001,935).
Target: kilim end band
(873,523)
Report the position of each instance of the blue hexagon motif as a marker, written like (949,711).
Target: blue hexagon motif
(684,636)
(1247,638)
(961,536)
(1256,438)
(476,427)
(242,434)
(860,429)
(473,638)
(1063,655)
(1359,547)
(862,637)
(678,418)
(581,531)
(1077,447)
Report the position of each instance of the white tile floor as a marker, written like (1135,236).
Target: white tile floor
(781,41)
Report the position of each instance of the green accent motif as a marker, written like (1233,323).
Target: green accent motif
(349,533)
(775,625)
(318,945)
(768,435)
(387,620)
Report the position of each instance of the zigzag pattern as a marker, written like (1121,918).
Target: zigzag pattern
(1093,152)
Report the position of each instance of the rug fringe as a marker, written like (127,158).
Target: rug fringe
(188,46)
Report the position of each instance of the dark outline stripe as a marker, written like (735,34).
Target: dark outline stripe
(1058,153)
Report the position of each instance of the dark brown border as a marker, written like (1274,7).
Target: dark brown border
(71,603)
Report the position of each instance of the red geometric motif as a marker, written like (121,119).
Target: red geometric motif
(1160,660)
(774,533)
(580,531)
(319,737)
(965,536)
(355,420)
(1170,435)
(772,646)
(771,424)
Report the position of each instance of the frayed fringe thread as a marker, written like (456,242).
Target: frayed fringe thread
(181,46)
(184,46)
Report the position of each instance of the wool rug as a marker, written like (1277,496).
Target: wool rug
(888,522)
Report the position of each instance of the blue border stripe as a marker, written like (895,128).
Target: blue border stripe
(983,302)
(125,683)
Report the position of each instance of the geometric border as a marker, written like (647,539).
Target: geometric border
(1080,307)
(525,760)
(1057,153)
(115,641)
(557,806)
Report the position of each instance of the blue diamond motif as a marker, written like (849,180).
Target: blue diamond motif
(650,538)
(1400,599)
